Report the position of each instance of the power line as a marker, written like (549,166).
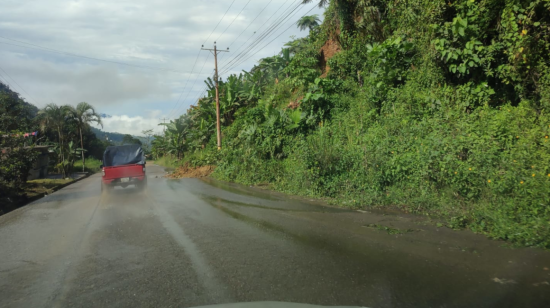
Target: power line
(266,34)
(233,20)
(205,60)
(238,60)
(4,80)
(34,46)
(242,60)
(177,108)
(250,24)
(277,23)
(273,39)
(186,82)
(197,58)
(265,7)
(293,11)
(18,85)
(265,23)
(201,93)
(219,22)
(204,90)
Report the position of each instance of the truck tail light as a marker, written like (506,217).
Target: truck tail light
(143,169)
(103,172)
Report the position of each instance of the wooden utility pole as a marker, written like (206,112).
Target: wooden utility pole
(215,51)
(164,126)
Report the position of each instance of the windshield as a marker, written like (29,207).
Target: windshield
(275,153)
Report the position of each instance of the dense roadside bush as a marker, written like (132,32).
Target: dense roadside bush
(16,161)
(16,154)
(430,106)
(63,129)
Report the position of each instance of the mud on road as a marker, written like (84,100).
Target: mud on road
(186,171)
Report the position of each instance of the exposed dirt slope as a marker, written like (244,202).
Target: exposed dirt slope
(328,51)
(190,172)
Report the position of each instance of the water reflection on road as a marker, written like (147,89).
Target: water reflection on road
(194,242)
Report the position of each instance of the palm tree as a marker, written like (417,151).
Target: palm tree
(344,11)
(308,22)
(83,115)
(321,2)
(53,117)
(296,45)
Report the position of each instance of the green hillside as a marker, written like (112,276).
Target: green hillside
(115,138)
(432,107)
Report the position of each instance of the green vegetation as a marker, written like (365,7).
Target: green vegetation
(308,22)
(92,165)
(49,183)
(129,139)
(65,133)
(83,115)
(430,106)
(16,156)
(167,162)
(68,125)
(30,191)
(117,138)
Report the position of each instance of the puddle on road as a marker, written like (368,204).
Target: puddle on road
(241,195)
(210,199)
(414,271)
(240,189)
(309,208)
(436,267)
(318,242)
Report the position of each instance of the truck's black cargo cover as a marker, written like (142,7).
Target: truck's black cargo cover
(123,155)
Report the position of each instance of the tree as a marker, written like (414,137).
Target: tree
(15,113)
(129,139)
(84,114)
(296,45)
(148,133)
(344,10)
(308,22)
(322,3)
(175,136)
(17,160)
(54,117)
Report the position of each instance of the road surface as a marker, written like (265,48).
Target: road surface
(192,242)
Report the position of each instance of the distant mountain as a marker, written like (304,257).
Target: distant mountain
(115,138)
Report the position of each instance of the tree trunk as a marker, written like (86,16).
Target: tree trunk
(82,148)
(61,152)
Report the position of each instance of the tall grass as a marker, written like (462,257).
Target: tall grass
(92,165)
(167,162)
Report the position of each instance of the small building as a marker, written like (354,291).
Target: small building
(39,169)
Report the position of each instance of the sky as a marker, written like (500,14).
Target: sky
(139,61)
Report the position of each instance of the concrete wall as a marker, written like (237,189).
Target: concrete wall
(40,167)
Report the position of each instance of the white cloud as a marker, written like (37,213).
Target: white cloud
(125,124)
(164,34)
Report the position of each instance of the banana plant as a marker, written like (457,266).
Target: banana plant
(175,136)
(73,153)
(68,155)
(200,134)
(294,118)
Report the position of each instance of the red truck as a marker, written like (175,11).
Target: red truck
(123,166)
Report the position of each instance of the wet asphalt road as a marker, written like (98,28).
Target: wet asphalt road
(193,242)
